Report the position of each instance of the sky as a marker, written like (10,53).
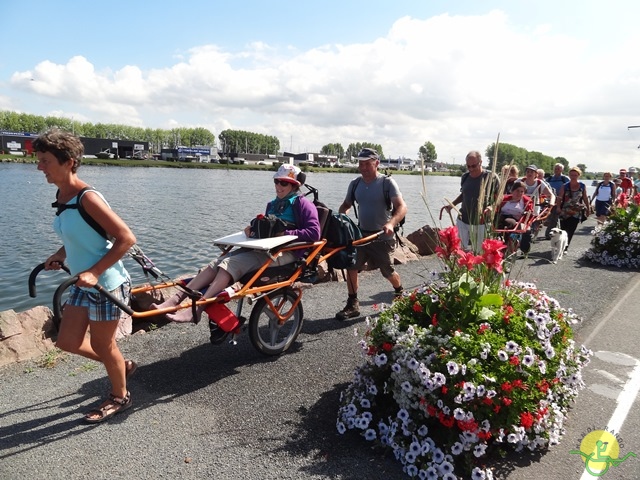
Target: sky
(557,77)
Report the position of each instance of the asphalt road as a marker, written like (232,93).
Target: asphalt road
(228,412)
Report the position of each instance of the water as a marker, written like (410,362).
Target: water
(174,213)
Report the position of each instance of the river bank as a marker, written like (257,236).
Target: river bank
(227,412)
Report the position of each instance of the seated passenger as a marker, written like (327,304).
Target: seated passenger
(289,206)
(511,211)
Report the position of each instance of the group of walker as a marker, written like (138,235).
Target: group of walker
(516,207)
(95,239)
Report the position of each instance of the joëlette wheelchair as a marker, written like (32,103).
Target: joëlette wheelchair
(276,317)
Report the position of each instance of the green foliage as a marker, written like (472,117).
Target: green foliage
(354,148)
(333,149)
(235,141)
(157,138)
(428,152)
(512,155)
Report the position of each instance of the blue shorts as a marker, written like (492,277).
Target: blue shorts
(101,309)
(602,208)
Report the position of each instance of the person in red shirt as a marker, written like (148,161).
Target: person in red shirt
(513,208)
(625,182)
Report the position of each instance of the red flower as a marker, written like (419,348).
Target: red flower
(446,420)
(493,245)
(468,259)
(497,408)
(636,199)
(386,346)
(506,401)
(514,360)
(444,389)
(434,320)
(372,350)
(506,387)
(543,386)
(450,241)
(432,411)
(484,327)
(623,200)
(526,420)
(482,435)
(487,401)
(417,307)
(519,384)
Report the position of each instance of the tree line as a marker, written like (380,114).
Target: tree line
(237,141)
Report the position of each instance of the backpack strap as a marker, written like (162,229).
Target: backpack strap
(83,213)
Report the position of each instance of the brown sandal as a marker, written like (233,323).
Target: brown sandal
(109,408)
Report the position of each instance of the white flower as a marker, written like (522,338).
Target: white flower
(423,431)
(380,359)
(478,474)
(406,387)
(370,434)
(452,368)
(457,448)
(340,427)
(413,364)
(396,368)
(527,360)
(512,347)
(503,356)
(479,450)
(458,414)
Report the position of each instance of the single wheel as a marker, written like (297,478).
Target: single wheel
(276,321)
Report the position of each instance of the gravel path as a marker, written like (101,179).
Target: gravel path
(228,412)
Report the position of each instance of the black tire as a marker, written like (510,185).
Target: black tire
(265,331)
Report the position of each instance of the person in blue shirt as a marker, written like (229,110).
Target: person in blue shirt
(555,181)
(93,259)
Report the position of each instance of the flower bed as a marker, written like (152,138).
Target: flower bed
(467,365)
(617,242)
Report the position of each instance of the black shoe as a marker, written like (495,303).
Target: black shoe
(352,310)
(217,334)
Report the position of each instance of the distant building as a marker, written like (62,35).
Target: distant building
(18,142)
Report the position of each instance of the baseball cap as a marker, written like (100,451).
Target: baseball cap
(532,167)
(368,154)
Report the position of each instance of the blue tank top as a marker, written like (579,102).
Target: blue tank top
(84,247)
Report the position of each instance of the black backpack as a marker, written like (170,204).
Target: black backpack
(386,186)
(341,231)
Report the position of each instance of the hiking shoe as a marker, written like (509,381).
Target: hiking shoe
(352,310)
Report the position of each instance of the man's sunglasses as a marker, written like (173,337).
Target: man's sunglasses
(282,183)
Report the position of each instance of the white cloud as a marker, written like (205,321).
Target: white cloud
(453,80)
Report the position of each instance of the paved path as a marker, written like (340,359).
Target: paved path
(227,412)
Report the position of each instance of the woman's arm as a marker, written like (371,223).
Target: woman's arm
(116,228)
(308,227)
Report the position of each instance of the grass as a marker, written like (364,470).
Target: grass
(52,358)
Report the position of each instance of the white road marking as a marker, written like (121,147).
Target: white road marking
(625,402)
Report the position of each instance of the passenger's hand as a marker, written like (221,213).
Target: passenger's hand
(388,228)
(247,231)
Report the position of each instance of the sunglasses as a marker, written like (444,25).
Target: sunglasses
(282,183)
